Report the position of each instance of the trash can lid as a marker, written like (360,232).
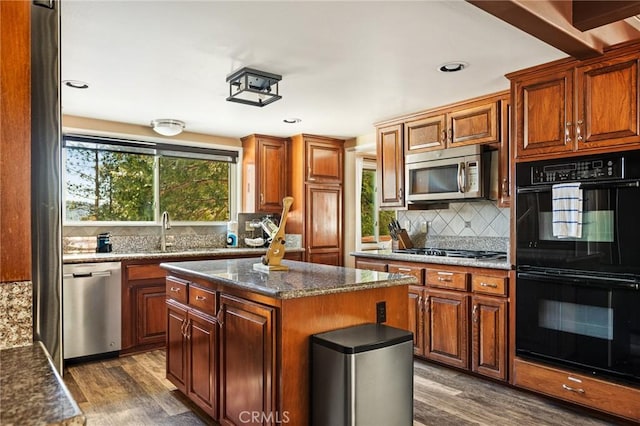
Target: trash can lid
(362,338)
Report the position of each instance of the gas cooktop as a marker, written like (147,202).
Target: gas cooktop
(466,254)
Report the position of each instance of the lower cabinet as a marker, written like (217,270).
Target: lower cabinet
(247,349)
(209,358)
(458,315)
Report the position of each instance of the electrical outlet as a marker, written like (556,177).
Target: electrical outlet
(248,227)
(381,312)
(424,227)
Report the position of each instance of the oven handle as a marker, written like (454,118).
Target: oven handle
(587,185)
(611,282)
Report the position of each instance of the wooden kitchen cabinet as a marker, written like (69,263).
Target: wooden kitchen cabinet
(571,106)
(247,349)
(488,341)
(477,123)
(390,166)
(447,328)
(416,313)
(143,307)
(316,185)
(176,351)
(264,173)
(426,133)
(371,265)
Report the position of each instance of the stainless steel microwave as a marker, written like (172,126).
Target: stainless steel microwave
(463,173)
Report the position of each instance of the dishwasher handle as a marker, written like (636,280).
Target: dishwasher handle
(88,274)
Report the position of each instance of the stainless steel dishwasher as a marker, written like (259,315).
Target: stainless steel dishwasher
(91,314)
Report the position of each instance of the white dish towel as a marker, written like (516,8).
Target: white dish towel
(567,210)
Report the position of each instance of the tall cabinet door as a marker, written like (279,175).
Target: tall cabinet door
(544,114)
(272,183)
(390,167)
(324,224)
(247,360)
(608,96)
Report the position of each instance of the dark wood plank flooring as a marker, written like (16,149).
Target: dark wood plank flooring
(132,390)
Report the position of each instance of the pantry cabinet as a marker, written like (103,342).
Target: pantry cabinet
(571,106)
(264,173)
(316,184)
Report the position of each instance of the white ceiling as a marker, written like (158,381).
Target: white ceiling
(344,64)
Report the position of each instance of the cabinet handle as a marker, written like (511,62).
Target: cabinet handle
(426,304)
(400,193)
(474,314)
(175,289)
(444,136)
(448,280)
(201,298)
(570,389)
(491,285)
(219,317)
(578,133)
(567,132)
(450,135)
(420,305)
(188,329)
(505,187)
(182,328)
(261,198)
(404,269)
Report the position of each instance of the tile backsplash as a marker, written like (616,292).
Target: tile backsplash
(480,224)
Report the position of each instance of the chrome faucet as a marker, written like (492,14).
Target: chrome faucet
(166,224)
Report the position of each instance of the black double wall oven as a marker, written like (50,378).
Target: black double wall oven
(578,296)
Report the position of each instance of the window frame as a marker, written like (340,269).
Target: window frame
(159,146)
(365,162)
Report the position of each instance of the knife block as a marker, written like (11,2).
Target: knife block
(404,241)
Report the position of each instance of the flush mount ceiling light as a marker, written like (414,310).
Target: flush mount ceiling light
(167,126)
(252,87)
(454,66)
(75,84)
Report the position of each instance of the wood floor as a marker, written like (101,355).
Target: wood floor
(132,390)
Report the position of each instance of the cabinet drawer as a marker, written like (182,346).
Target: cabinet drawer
(177,289)
(408,270)
(598,394)
(143,272)
(202,299)
(371,265)
(447,279)
(489,285)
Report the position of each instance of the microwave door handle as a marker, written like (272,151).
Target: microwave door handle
(461,177)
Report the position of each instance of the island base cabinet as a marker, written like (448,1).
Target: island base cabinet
(191,355)
(247,363)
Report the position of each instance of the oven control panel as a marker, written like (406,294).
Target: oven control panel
(592,169)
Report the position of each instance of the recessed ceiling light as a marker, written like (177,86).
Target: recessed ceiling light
(453,66)
(75,84)
(292,120)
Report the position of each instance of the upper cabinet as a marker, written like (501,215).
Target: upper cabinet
(569,106)
(481,120)
(264,171)
(390,166)
(323,160)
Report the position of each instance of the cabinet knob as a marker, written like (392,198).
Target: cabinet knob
(201,298)
(175,289)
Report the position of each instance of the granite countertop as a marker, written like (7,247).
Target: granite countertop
(301,280)
(443,260)
(31,390)
(213,252)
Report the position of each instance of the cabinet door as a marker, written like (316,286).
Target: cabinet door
(447,328)
(425,134)
(272,184)
(478,124)
(607,110)
(544,114)
(416,318)
(247,360)
(176,346)
(489,330)
(324,223)
(201,340)
(323,160)
(390,166)
(150,313)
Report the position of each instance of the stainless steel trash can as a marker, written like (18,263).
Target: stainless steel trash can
(362,375)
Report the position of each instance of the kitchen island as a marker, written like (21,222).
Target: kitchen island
(238,339)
